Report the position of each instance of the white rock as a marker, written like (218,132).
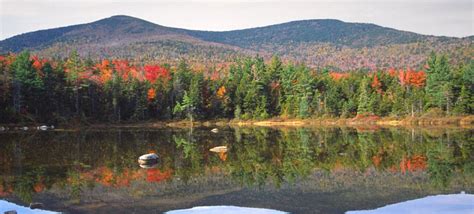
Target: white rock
(219,149)
(147,159)
(215,130)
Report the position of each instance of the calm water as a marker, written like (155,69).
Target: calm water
(299,170)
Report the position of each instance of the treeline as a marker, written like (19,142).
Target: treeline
(61,90)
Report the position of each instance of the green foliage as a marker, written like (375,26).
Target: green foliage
(250,88)
(187,106)
(365,101)
(439,82)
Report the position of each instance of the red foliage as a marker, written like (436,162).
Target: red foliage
(155,175)
(38,63)
(415,163)
(122,68)
(153,72)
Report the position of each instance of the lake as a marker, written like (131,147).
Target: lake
(297,170)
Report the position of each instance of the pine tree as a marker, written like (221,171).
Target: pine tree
(438,84)
(365,102)
(26,82)
(465,102)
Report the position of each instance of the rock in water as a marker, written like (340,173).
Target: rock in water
(215,130)
(219,149)
(149,166)
(42,128)
(148,159)
(35,205)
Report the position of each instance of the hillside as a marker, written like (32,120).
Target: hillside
(314,42)
(323,31)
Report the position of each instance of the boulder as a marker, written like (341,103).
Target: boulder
(148,159)
(219,149)
(36,205)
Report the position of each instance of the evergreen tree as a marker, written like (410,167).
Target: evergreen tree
(438,84)
(365,102)
(26,83)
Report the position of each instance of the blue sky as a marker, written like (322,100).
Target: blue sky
(433,17)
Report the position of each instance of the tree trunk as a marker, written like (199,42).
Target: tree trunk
(447,105)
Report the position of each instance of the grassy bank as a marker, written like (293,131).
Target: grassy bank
(458,121)
(462,121)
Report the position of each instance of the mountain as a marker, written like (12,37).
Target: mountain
(324,42)
(324,31)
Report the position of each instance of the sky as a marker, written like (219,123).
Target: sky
(432,17)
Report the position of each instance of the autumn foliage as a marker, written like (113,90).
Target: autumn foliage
(338,76)
(154,72)
(409,77)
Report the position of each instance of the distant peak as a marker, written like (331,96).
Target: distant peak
(124,20)
(122,17)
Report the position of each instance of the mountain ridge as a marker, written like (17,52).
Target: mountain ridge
(130,37)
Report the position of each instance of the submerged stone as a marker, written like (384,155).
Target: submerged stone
(148,159)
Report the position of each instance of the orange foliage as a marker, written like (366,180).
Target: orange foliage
(223,156)
(409,77)
(105,71)
(39,187)
(221,92)
(155,175)
(415,163)
(376,160)
(376,84)
(38,63)
(151,94)
(122,68)
(338,76)
(392,72)
(106,176)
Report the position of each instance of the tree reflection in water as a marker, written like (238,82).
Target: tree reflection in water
(82,161)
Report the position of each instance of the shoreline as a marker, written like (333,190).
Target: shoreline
(364,121)
(452,121)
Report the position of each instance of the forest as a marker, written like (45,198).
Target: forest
(61,90)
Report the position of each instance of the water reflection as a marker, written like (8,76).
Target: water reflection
(71,168)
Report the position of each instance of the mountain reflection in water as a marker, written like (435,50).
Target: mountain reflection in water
(299,170)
